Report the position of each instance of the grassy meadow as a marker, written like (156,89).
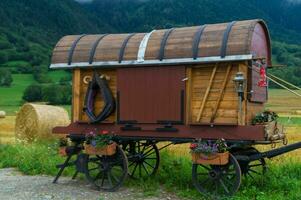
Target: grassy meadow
(11,97)
(282,180)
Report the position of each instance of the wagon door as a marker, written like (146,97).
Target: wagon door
(151,94)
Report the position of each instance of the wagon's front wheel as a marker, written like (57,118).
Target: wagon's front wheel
(217,180)
(144,159)
(107,172)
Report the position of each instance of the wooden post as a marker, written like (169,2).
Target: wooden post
(207,93)
(243,67)
(76,95)
(188,94)
(222,92)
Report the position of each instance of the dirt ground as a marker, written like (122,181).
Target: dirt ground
(16,186)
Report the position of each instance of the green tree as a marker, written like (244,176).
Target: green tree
(6,78)
(57,94)
(33,93)
(3,57)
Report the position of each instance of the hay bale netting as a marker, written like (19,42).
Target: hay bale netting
(35,122)
(2,114)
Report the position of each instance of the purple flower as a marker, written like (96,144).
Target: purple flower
(93,143)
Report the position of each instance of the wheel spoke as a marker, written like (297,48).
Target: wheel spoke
(224,186)
(250,175)
(149,164)
(146,154)
(205,167)
(255,165)
(97,176)
(103,179)
(254,171)
(133,172)
(114,177)
(140,170)
(204,181)
(145,168)
(110,179)
(132,164)
(94,168)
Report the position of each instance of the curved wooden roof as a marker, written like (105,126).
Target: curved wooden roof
(240,40)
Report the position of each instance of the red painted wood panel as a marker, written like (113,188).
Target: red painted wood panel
(149,94)
(259,48)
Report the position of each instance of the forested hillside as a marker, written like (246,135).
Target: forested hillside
(30,28)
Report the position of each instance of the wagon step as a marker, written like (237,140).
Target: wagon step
(271,153)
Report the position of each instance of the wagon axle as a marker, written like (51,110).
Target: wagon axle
(269,154)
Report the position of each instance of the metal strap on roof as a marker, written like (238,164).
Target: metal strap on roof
(196,41)
(142,46)
(71,51)
(93,50)
(225,39)
(173,61)
(125,42)
(163,44)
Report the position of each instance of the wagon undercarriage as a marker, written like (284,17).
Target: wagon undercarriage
(139,159)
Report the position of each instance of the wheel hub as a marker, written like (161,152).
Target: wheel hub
(213,174)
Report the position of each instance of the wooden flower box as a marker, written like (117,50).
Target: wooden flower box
(213,159)
(62,151)
(106,151)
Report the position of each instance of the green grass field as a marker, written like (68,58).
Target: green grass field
(11,97)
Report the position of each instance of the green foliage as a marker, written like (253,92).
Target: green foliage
(57,94)
(53,94)
(3,57)
(33,93)
(5,78)
(266,116)
(98,140)
(32,159)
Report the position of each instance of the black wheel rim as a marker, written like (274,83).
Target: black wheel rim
(107,172)
(217,180)
(143,159)
(254,169)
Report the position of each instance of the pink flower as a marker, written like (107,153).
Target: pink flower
(104,132)
(193,146)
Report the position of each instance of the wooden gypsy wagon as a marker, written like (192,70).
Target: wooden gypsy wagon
(178,85)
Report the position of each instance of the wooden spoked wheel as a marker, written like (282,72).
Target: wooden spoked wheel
(252,169)
(107,172)
(143,157)
(217,180)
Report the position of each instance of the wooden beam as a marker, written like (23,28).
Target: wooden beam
(188,94)
(222,92)
(76,95)
(243,67)
(207,93)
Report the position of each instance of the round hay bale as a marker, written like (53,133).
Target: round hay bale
(35,122)
(2,114)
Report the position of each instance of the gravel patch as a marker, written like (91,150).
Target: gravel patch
(16,186)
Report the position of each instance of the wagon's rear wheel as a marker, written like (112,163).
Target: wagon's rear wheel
(217,180)
(252,169)
(107,172)
(143,157)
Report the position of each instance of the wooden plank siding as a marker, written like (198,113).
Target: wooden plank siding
(199,80)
